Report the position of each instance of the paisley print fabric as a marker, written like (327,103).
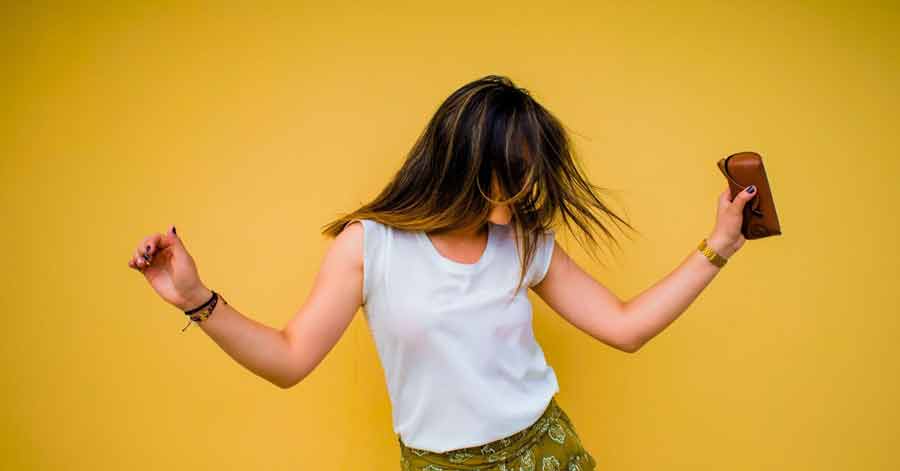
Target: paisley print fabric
(549,444)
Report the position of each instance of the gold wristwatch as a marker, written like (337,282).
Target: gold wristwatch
(711,254)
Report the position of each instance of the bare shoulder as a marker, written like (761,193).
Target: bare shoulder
(348,245)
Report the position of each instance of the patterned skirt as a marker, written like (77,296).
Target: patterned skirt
(549,444)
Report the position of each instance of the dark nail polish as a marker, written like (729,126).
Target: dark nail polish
(751,189)
(173,230)
(148,249)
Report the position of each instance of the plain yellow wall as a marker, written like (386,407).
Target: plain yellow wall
(249,128)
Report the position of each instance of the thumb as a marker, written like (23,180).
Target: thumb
(741,199)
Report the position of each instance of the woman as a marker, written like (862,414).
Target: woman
(441,261)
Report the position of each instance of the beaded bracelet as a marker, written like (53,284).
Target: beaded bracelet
(202,312)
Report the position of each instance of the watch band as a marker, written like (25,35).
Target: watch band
(711,254)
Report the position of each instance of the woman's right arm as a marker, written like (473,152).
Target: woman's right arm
(283,357)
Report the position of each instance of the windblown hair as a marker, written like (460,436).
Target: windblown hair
(487,130)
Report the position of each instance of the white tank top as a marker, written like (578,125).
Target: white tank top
(458,352)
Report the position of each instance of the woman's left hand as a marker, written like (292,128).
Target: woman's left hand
(726,237)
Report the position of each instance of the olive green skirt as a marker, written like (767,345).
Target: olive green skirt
(549,444)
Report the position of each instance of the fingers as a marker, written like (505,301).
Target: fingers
(725,198)
(139,260)
(134,263)
(151,245)
(169,239)
(143,254)
(143,251)
(741,198)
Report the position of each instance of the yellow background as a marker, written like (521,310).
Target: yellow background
(249,128)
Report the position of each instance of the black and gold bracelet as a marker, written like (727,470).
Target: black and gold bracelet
(202,312)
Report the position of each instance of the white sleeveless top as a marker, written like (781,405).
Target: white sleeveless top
(458,352)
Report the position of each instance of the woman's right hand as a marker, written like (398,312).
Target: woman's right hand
(170,270)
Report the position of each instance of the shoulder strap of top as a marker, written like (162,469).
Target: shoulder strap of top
(542,258)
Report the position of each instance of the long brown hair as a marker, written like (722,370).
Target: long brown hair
(487,130)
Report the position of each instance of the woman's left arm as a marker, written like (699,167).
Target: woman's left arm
(628,325)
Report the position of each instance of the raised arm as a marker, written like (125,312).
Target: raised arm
(628,325)
(282,356)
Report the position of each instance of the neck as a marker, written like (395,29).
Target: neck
(476,231)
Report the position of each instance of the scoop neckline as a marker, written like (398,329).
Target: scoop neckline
(453,265)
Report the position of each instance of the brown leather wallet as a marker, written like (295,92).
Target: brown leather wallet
(743,169)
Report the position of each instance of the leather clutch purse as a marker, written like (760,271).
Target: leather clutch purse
(743,169)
